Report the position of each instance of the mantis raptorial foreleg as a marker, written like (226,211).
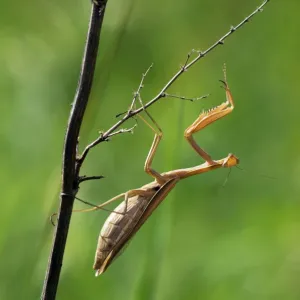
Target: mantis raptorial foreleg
(207,118)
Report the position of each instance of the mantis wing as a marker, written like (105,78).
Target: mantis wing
(158,197)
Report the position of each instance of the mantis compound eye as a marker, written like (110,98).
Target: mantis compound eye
(231,161)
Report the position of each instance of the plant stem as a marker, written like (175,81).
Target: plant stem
(69,179)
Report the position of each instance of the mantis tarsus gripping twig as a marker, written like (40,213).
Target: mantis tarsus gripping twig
(139,204)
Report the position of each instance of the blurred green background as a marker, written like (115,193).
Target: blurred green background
(205,241)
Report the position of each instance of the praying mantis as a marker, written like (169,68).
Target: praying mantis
(128,217)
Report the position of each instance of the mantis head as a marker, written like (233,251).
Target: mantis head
(230,161)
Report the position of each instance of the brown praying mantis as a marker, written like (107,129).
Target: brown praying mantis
(128,217)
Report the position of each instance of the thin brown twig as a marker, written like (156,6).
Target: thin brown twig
(131,113)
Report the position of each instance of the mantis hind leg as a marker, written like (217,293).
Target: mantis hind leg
(127,195)
(207,118)
(94,207)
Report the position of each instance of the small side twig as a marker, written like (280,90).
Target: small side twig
(123,130)
(137,93)
(185,98)
(188,57)
(87,178)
